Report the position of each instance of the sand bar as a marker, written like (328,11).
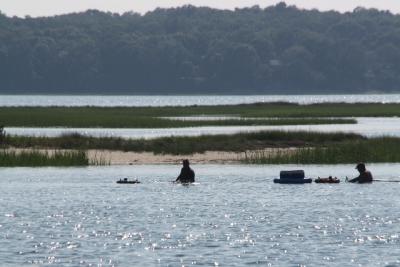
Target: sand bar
(115,157)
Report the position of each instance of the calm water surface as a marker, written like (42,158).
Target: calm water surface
(139,101)
(234,216)
(370,127)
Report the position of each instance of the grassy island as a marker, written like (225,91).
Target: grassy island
(187,145)
(268,147)
(154,117)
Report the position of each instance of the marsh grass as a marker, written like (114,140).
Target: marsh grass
(36,158)
(376,150)
(186,145)
(150,117)
(99,160)
(267,147)
(128,118)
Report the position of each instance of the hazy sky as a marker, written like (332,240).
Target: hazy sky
(50,7)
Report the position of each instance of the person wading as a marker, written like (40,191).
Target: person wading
(187,174)
(364,177)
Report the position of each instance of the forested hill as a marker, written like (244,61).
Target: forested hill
(190,50)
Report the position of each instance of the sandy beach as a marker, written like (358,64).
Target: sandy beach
(115,157)
(209,157)
(134,158)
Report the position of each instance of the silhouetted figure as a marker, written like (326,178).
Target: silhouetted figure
(187,174)
(364,177)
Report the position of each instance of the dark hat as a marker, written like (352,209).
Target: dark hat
(360,166)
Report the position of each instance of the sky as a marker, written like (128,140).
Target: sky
(35,8)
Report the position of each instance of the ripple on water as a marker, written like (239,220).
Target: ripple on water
(236,216)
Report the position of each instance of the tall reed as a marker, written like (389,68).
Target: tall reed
(99,160)
(384,149)
(36,158)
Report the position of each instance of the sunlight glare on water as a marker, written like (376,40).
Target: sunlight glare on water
(233,216)
(371,127)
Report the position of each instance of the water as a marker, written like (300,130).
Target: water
(370,127)
(140,101)
(234,216)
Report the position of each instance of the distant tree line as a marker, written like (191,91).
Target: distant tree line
(190,50)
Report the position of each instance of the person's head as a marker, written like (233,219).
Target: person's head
(361,167)
(185,163)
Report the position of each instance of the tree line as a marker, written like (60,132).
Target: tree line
(192,50)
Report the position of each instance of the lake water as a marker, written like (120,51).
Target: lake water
(139,101)
(370,127)
(233,216)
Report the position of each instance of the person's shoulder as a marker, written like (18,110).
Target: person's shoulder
(366,176)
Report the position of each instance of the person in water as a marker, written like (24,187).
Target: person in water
(187,174)
(364,177)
